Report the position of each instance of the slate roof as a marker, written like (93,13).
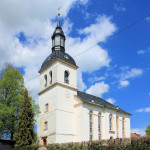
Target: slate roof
(58,54)
(98,101)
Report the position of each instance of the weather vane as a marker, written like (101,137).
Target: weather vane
(59,11)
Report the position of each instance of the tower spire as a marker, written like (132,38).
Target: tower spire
(58,23)
(58,38)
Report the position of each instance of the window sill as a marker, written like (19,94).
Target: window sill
(111,131)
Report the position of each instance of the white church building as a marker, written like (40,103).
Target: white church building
(69,115)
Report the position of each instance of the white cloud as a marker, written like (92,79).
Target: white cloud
(134,72)
(81,85)
(98,89)
(111,100)
(147,109)
(140,131)
(95,78)
(148,18)
(124,83)
(127,74)
(141,52)
(119,7)
(34,19)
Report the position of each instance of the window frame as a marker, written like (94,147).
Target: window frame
(66,79)
(51,75)
(99,126)
(110,122)
(46,125)
(47,109)
(45,77)
(117,126)
(91,125)
(123,127)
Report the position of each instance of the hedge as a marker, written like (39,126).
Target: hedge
(116,144)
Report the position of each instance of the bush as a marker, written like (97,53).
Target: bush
(117,144)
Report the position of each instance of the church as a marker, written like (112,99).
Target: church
(67,114)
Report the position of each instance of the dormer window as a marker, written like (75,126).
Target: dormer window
(45,80)
(50,74)
(66,77)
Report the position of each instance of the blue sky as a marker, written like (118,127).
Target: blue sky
(117,69)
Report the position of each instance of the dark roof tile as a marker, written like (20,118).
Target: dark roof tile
(91,99)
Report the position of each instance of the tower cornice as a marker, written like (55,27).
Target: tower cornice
(60,60)
(60,84)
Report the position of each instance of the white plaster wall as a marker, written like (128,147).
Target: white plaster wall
(49,97)
(58,69)
(52,68)
(61,122)
(83,124)
(72,74)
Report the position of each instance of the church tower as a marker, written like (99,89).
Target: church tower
(58,85)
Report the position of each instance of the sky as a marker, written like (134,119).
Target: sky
(117,69)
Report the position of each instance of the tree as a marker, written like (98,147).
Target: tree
(147,130)
(11,93)
(25,132)
(7,66)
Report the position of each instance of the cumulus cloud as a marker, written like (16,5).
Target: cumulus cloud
(140,131)
(111,100)
(119,7)
(147,109)
(124,83)
(148,19)
(128,74)
(141,52)
(81,85)
(36,21)
(98,89)
(95,79)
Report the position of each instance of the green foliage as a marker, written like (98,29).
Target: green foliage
(11,92)
(25,125)
(7,66)
(147,130)
(136,144)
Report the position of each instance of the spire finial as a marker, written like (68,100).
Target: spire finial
(59,11)
(58,24)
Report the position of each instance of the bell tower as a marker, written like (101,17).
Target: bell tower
(58,85)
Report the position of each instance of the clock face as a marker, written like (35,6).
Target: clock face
(67,94)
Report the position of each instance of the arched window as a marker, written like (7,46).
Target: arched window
(91,125)
(123,130)
(45,80)
(66,77)
(117,126)
(110,122)
(99,126)
(50,74)
(45,125)
(46,107)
